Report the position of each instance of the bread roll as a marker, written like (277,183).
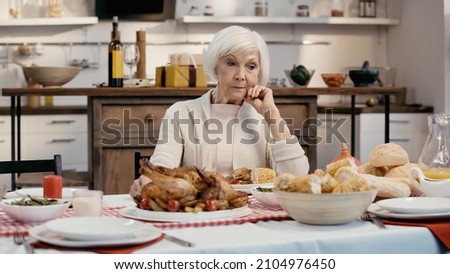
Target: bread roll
(283,180)
(355,184)
(388,187)
(388,155)
(344,173)
(309,183)
(367,168)
(402,172)
(331,168)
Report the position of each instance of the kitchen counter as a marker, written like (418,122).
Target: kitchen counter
(157,91)
(105,91)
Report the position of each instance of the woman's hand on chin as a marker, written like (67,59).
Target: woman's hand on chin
(260,97)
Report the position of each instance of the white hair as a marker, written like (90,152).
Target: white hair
(237,39)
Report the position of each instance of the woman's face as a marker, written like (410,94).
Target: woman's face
(236,73)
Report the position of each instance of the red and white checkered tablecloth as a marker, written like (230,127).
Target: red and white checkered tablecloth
(259,213)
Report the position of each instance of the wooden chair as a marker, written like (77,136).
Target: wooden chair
(137,166)
(31,166)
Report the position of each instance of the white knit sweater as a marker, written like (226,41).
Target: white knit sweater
(183,140)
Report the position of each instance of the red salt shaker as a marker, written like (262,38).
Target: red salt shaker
(53,186)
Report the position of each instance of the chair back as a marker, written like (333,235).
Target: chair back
(30,166)
(137,165)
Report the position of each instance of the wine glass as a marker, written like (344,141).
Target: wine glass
(131,57)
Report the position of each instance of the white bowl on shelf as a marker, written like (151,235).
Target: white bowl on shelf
(51,76)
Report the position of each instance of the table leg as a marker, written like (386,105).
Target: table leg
(12,111)
(18,115)
(15,112)
(353,121)
(386,117)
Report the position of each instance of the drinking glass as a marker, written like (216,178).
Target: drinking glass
(131,57)
(87,202)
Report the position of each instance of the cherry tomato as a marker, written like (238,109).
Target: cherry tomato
(173,206)
(211,205)
(237,182)
(144,204)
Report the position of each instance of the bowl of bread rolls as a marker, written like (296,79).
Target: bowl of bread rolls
(323,199)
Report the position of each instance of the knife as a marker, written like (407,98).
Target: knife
(178,240)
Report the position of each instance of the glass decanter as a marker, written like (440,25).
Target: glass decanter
(435,158)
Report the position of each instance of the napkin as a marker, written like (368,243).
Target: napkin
(440,229)
(101,250)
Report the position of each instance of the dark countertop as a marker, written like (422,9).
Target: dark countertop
(362,108)
(181,92)
(47,110)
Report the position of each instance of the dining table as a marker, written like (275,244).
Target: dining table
(266,230)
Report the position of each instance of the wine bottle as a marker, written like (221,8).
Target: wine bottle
(115,57)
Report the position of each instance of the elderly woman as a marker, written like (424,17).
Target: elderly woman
(236,124)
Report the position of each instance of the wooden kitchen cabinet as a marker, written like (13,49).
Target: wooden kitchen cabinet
(121,126)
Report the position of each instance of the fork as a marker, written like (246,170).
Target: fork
(19,239)
(367,217)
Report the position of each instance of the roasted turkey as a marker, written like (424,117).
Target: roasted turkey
(194,190)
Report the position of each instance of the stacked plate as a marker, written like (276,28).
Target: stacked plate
(94,232)
(413,208)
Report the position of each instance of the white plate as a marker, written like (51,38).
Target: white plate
(384,213)
(42,234)
(413,205)
(94,228)
(39,192)
(147,215)
(246,187)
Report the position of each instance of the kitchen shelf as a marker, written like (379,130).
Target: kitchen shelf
(39,22)
(289,20)
(28,26)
